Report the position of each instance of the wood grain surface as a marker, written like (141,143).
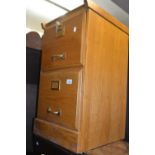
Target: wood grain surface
(92,5)
(95,104)
(69,44)
(117,148)
(105,84)
(64,99)
(57,134)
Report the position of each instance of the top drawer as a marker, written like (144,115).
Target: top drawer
(61,45)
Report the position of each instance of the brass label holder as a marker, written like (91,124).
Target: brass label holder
(60,29)
(55,85)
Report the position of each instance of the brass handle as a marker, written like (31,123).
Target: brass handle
(49,110)
(58,57)
(57,112)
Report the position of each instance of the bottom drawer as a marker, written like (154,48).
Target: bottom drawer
(59,97)
(59,135)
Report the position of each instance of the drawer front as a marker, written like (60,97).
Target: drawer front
(56,134)
(61,45)
(59,97)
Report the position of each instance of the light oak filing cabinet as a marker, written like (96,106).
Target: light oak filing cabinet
(83,80)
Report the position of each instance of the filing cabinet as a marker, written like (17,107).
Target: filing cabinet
(83,80)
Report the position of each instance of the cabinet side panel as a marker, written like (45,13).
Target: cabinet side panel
(105,85)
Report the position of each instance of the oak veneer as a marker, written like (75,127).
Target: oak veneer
(117,148)
(71,43)
(57,134)
(65,99)
(93,6)
(105,83)
(94,105)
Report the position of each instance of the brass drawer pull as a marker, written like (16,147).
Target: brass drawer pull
(49,110)
(58,57)
(58,113)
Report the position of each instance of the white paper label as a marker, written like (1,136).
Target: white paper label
(69,81)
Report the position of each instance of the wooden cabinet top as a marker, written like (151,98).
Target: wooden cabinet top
(89,4)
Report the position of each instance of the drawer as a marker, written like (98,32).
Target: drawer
(59,97)
(61,43)
(56,134)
